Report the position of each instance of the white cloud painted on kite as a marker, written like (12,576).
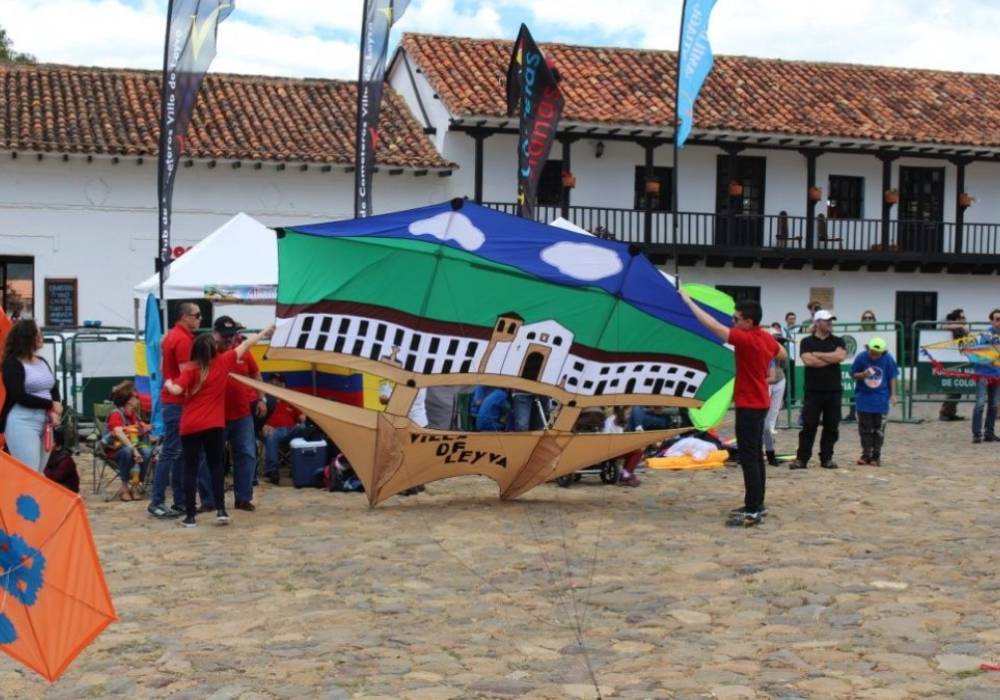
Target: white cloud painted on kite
(450,226)
(582,261)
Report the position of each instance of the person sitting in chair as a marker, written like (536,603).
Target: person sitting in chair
(126,440)
(284,423)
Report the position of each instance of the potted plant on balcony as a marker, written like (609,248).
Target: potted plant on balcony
(966,200)
(653,185)
(568,180)
(890,197)
(735,189)
(815,194)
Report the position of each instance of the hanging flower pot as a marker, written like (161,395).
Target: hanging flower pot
(891,197)
(815,194)
(735,189)
(568,180)
(652,186)
(966,200)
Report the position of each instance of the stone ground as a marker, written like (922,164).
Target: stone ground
(862,583)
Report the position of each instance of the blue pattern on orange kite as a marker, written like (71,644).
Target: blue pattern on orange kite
(8,635)
(22,568)
(27,508)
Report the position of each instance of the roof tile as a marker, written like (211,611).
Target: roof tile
(71,109)
(636,87)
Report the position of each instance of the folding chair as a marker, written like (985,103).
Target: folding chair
(105,469)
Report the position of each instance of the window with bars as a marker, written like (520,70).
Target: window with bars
(661,201)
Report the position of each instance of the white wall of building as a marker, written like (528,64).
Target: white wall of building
(97,221)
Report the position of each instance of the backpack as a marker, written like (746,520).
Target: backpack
(339,475)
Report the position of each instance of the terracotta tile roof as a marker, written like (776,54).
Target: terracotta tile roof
(72,109)
(636,87)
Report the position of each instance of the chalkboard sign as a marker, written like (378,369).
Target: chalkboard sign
(60,303)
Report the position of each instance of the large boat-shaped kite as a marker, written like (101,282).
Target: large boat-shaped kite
(458,294)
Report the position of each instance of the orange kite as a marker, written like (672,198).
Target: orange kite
(53,597)
(4,327)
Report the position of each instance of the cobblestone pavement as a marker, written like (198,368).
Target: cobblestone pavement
(862,583)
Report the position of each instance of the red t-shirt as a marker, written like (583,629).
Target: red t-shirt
(206,408)
(176,352)
(239,395)
(119,418)
(284,415)
(754,351)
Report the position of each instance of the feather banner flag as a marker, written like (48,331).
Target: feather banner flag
(192,28)
(694,62)
(534,83)
(379,17)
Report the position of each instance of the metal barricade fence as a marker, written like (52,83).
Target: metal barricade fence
(928,386)
(856,335)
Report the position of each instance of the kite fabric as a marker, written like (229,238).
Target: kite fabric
(154,338)
(54,600)
(459,294)
(980,353)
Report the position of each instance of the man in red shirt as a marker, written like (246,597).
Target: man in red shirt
(239,423)
(176,351)
(754,348)
(284,423)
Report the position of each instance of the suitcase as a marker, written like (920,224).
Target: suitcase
(308,461)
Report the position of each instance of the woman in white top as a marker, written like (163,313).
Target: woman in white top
(32,398)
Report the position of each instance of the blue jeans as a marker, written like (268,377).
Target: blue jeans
(272,443)
(24,436)
(243,447)
(125,463)
(986,397)
(527,415)
(171,465)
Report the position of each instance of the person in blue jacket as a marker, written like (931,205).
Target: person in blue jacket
(491,416)
(875,372)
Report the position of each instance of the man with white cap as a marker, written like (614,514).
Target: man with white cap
(821,353)
(875,373)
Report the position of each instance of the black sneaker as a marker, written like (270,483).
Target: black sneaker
(828,464)
(189,522)
(742,511)
(160,512)
(180,510)
(796,464)
(976,439)
(222,518)
(745,520)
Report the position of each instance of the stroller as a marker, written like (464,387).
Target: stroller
(591,420)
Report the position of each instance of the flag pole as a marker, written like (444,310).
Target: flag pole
(675,180)
(161,260)
(358,135)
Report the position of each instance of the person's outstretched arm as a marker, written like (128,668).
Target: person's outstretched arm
(252,340)
(720,331)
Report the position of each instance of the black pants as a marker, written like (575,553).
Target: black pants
(871,427)
(210,441)
(816,405)
(949,409)
(749,427)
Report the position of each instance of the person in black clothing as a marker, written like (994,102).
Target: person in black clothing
(821,353)
(954,322)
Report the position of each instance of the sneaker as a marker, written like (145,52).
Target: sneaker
(222,518)
(161,512)
(976,439)
(863,460)
(245,505)
(273,478)
(189,522)
(180,510)
(828,464)
(745,520)
(743,511)
(796,464)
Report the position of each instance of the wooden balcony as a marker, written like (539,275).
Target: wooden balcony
(777,241)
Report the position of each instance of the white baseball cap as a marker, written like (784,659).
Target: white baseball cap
(824,315)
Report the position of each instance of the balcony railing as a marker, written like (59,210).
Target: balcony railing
(791,233)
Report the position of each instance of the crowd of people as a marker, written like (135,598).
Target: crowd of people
(204,409)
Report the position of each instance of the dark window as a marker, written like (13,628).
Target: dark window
(345,323)
(470,349)
(578,366)
(660,201)
(621,369)
(446,367)
(339,345)
(435,344)
(654,368)
(358,345)
(466,365)
(588,384)
(324,326)
(739,293)
(512,328)
(453,346)
(572,381)
(600,388)
(500,326)
(414,341)
(605,370)
(411,360)
(307,323)
(376,352)
(429,365)
(531,335)
(639,368)
(398,340)
(550,184)
(689,375)
(363,328)
(380,332)
(557,340)
(648,381)
(846,197)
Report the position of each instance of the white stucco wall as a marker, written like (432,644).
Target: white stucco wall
(97,221)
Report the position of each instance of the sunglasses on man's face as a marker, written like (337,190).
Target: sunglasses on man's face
(867,318)
(195,315)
